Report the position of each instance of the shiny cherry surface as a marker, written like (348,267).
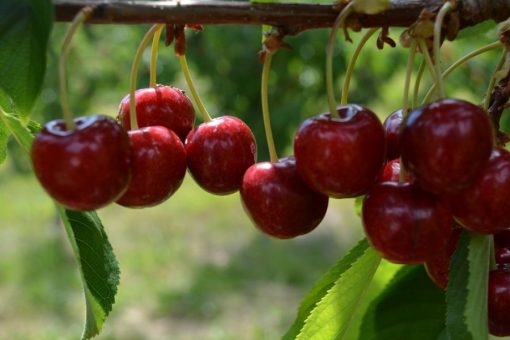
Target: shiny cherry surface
(438,266)
(404,223)
(445,144)
(158,163)
(391,172)
(278,202)
(160,106)
(499,302)
(219,152)
(484,206)
(391,126)
(341,156)
(85,168)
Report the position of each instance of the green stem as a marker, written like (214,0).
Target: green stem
(407,82)
(447,6)
(492,83)
(185,69)
(428,60)
(417,83)
(461,61)
(78,20)
(154,55)
(350,68)
(329,56)
(265,107)
(134,70)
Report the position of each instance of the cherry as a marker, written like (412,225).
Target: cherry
(502,239)
(391,172)
(219,152)
(391,126)
(404,223)
(84,168)
(341,156)
(165,106)
(499,302)
(483,207)
(278,201)
(158,162)
(445,144)
(438,266)
(502,257)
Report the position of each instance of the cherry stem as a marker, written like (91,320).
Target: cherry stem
(185,69)
(329,56)
(430,65)
(461,61)
(407,82)
(134,70)
(154,55)
(492,83)
(78,20)
(447,7)
(417,82)
(352,63)
(265,107)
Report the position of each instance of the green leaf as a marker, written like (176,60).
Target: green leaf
(328,308)
(23,134)
(358,204)
(4,135)
(484,29)
(99,268)
(25,27)
(466,294)
(410,307)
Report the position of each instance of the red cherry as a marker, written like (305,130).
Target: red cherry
(502,257)
(445,144)
(483,207)
(404,223)
(278,202)
(502,239)
(391,126)
(219,152)
(340,157)
(160,106)
(158,163)
(438,266)
(499,302)
(391,172)
(85,168)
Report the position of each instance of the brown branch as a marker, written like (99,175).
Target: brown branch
(292,18)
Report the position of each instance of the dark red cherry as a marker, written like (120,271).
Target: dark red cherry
(404,223)
(219,152)
(341,156)
(502,239)
(502,257)
(84,168)
(445,144)
(158,163)
(278,201)
(391,172)
(165,106)
(438,266)
(499,302)
(391,126)
(483,207)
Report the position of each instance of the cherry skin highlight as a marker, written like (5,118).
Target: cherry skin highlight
(341,156)
(158,163)
(278,202)
(445,144)
(438,266)
(85,168)
(499,302)
(165,106)
(483,207)
(219,152)
(404,223)
(391,172)
(391,126)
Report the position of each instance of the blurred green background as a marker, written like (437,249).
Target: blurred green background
(194,267)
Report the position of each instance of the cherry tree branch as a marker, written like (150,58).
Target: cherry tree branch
(292,18)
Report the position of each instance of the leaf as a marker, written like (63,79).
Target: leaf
(23,134)
(25,27)
(485,29)
(99,267)
(328,308)
(358,205)
(466,295)
(4,135)
(411,304)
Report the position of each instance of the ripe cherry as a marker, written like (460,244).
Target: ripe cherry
(438,266)
(219,152)
(84,168)
(158,162)
(165,106)
(341,156)
(391,126)
(278,201)
(499,302)
(391,172)
(502,239)
(404,223)
(445,144)
(483,207)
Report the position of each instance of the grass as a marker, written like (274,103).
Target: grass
(191,268)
